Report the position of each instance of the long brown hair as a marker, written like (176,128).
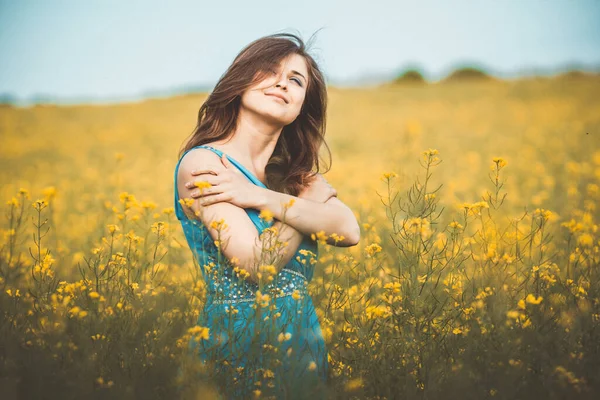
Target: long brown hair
(297,150)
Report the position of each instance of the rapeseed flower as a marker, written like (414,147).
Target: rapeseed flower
(24,193)
(386,176)
(499,162)
(531,299)
(266,215)
(202,185)
(372,249)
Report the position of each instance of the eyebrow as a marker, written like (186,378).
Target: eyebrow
(298,73)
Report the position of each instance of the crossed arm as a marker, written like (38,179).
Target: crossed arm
(307,217)
(335,214)
(304,217)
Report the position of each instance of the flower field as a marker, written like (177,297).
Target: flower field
(477,273)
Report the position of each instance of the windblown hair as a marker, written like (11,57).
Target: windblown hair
(296,154)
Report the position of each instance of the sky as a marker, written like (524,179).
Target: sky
(115,49)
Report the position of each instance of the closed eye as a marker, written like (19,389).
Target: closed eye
(298,81)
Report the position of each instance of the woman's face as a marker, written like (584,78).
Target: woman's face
(279,97)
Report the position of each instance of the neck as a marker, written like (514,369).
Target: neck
(252,143)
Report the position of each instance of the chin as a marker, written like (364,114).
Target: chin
(273,113)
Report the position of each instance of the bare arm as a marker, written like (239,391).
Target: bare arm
(240,238)
(309,217)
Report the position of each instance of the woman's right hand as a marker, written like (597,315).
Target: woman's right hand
(318,190)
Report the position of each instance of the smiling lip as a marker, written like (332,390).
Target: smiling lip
(278,95)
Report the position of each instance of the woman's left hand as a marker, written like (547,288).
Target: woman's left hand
(230,185)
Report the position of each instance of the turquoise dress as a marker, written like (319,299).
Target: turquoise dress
(276,342)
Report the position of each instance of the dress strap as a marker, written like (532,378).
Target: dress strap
(252,213)
(238,165)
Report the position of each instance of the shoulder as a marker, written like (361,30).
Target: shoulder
(199,158)
(196,159)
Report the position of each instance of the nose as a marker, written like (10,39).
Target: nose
(281,84)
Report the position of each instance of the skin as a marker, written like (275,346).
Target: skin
(261,120)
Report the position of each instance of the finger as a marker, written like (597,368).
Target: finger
(203,192)
(203,171)
(213,180)
(212,199)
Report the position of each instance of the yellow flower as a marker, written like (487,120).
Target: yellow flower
(429,196)
(13,202)
(354,384)
(394,287)
(268,374)
(284,336)
(198,333)
(455,225)
(266,215)
(386,176)
(430,152)
(24,192)
(127,199)
(269,269)
(320,236)
(202,185)
(148,204)
(336,237)
(187,202)
(500,162)
(373,249)
(49,192)
(262,299)
(585,240)
(131,236)
(289,203)
(40,204)
(218,225)
(16,294)
(533,300)
(296,295)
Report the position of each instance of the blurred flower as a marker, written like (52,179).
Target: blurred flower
(372,249)
(266,215)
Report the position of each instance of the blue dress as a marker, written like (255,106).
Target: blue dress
(276,342)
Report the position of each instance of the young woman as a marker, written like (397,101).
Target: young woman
(251,160)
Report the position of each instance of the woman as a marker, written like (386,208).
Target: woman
(249,162)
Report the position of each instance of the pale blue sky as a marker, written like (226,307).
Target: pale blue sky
(109,49)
